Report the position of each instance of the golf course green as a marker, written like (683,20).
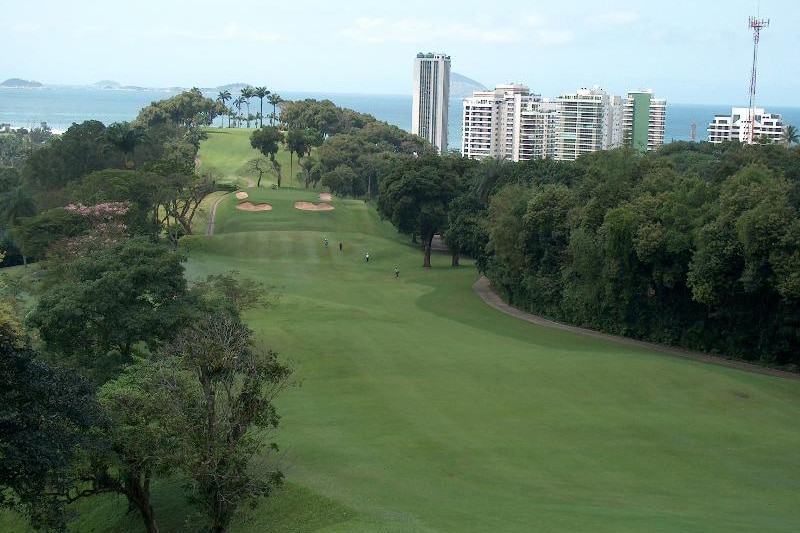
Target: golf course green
(418,408)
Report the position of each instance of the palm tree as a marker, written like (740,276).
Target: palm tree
(274,99)
(125,137)
(238,103)
(247,93)
(223,97)
(261,93)
(790,135)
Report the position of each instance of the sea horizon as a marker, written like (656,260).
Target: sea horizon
(61,105)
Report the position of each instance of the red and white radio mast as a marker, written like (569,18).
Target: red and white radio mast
(757,25)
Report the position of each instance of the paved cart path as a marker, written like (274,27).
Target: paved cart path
(483,289)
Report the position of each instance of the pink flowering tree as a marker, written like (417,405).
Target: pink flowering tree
(105,223)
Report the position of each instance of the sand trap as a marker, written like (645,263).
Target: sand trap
(308,206)
(250,206)
(326,196)
(241,195)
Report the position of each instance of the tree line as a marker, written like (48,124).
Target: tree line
(237,118)
(123,373)
(696,245)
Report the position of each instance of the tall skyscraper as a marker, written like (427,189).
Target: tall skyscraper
(430,98)
(643,121)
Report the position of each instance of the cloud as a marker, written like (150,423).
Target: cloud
(553,37)
(26,28)
(380,31)
(233,31)
(533,21)
(229,32)
(613,18)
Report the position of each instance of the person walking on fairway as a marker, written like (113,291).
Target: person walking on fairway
(396,272)
(340,246)
(366,257)
(325,240)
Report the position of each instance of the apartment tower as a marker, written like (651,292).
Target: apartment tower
(644,118)
(736,126)
(508,123)
(589,120)
(430,98)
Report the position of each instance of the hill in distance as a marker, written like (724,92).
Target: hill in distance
(19,83)
(462,86)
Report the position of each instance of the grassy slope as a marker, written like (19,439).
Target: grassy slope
(227,151)
(422,409)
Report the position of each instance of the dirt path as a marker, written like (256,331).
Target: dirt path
(212,214)
(483,289)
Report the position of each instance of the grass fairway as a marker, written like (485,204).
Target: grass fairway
(421,409)
(227,151)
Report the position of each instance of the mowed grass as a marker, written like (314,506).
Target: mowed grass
(227,151)
(419,408)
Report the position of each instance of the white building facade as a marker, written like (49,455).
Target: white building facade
(736,126)
(431,94)
(589,120)
(508,123)
(512,123)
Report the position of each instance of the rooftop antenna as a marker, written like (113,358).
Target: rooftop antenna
(756,24)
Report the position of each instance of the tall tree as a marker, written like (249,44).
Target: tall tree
(415,198)
(300,142)
(259,165)
(247,93)
(238,102)
(223,98)
(223,393)
(142,437)
(261,93)
(274,99)
(107,302)
(267,141)
(46,417)
(312,170)
(790,135)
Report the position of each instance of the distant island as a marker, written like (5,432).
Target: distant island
(460,86)
(107,84)
(19,83)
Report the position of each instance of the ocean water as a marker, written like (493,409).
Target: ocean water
(61,106)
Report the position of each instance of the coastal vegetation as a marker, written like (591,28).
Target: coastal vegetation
(158,363)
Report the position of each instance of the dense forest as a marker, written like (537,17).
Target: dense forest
(697,245)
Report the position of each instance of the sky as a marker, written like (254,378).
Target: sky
(687,51)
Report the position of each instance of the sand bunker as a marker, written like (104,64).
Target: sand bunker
(308,206)
(241,195)
(326,196)
(250,206)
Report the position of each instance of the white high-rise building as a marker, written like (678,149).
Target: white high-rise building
(589,120)
(734,127)
(430,98)
(644,120)
(508,123)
